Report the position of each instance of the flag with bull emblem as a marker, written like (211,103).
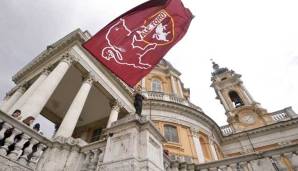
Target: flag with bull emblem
(132,44)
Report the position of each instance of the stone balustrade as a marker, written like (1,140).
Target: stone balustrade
(277,116)
(94,154)
(170,98)
(284,158)
(280,115)
(226,130)
(20,146)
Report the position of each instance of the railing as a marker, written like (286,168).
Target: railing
(170,98)
(280,115)
(277,116)
(94,154)
(226,130)
(19,143)
(284,158)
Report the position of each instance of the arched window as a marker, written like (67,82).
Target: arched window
(235,99)
(205,148)
(171,134)
(156,85)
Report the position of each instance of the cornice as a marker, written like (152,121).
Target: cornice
(249,157)
(167,66)
(183,110)
(263,129)
(76,35)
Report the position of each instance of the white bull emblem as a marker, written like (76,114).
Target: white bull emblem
(126,52)
(160,33)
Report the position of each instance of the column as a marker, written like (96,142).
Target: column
(199,149)
(72,115)
(227,99)
(16,95)
(180,88)
(39,98)
(214,154)
(223,100)
(174,88)
(30,91)
(114,113)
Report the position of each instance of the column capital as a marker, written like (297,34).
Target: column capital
(116,105)
(46,71)
(22,88)
(194,132)
(89,78)
(26,85)
(68,58)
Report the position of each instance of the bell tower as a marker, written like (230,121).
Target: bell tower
(242,111)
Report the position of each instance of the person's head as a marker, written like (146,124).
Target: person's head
(29,120)
(36,127)
(16,113)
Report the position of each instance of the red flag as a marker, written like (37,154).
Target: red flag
(132,44)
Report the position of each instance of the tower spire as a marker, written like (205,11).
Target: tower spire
(215,66)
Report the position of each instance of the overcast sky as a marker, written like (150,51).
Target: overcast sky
(257,38)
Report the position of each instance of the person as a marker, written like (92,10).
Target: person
(36,127)
(29,120)
(17,114)
(138,101)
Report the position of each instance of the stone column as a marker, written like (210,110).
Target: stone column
(39,98)
(199,149)
(72,116)
(223,100)
(114,113)
(180,88)
(213,151)
(16,95)
(174,88)
(30,91)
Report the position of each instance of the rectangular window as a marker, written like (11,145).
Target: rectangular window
(171,134)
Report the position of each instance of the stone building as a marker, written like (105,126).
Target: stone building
(98,130)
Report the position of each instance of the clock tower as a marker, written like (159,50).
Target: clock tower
(242,111)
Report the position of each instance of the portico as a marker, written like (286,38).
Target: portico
(69,91)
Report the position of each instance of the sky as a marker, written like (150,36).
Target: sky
(257,39)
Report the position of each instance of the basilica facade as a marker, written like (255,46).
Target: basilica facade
(97,128)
